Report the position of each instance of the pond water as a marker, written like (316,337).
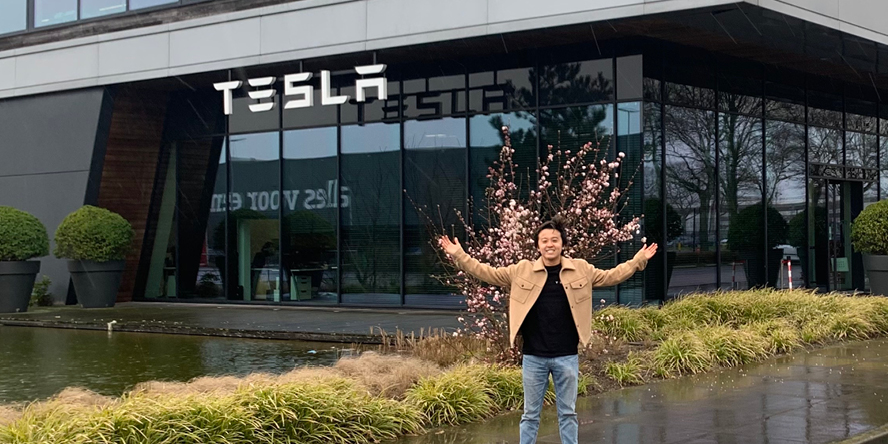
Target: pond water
(36,363)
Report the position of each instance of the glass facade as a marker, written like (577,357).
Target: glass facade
(13,16)
(54,12)
(738,171)
(762,170)
(333,204)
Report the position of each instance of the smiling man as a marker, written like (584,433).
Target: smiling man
(550,303)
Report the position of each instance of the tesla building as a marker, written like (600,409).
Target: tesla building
(276,151)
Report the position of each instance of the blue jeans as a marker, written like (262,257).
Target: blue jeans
(565,372)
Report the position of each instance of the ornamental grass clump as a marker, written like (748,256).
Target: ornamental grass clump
(333,411)
(22,236)
(389,376)
(623,323)
(503,384)
(93,234)
(456,397)
(781,336)
(322,410)
(681,354)
(630,372)
(729,347)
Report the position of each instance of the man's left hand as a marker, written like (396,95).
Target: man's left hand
(649,251)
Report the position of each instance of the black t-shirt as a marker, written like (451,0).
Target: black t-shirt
(549,330)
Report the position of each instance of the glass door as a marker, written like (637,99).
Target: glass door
(839,230)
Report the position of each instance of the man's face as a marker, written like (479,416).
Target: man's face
(549,243)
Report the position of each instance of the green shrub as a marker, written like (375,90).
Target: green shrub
(93,234)
(41,296)
(503,384)
(22,236)
(869,232)
(816,332)
(333,411)
(456,397)
(625,373)
(329,410)
(729,347)
(620,322)
(681,354)
(781,336)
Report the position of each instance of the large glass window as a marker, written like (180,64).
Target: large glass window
(785,191)
(434,96)
(162,272)
(486,142)
(741,213)
(254,224)
(825,145)
(98,8)
(576,82)
(655,228)
(371,222)
(13,15)
(883,159)
(862,150)
(690,189)
(435,183)
(311,198)
(140,4)
(629,142)
(501,90)
(53,12)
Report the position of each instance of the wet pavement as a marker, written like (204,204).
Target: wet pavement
(821,396)
(303,323)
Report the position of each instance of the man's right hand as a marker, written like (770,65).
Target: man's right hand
(450,248)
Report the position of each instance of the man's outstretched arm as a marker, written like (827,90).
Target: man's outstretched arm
(492,275)
(607,278)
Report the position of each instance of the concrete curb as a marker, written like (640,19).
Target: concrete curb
(878,435)
(204,331)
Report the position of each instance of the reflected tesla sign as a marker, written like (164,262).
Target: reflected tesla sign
(300,94)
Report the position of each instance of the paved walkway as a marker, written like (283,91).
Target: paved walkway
(821,396)
(303,323)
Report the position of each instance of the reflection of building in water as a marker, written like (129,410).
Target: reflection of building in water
(279,168)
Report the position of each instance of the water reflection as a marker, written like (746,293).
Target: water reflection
(39,362)
(817,397)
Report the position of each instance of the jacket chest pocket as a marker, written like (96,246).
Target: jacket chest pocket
(580,289)
(520,290)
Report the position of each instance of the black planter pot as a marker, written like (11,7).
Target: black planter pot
(16,284)
(876,267)
(756,271)
(96,283)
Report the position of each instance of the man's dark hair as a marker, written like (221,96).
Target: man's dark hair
(556,223)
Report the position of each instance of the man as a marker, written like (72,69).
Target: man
(550,303)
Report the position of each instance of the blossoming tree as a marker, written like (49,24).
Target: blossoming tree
(580,186)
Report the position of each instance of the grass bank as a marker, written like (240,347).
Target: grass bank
(376,397)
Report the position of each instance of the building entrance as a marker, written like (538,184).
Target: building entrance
(838,197)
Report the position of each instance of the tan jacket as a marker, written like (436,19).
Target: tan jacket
(525,280)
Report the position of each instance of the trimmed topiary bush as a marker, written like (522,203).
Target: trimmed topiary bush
(93,234)
(869,232)
(22,236)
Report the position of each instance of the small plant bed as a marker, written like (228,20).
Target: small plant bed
(442,380)
(702,332)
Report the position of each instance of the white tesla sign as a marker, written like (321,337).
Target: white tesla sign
(301,95)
